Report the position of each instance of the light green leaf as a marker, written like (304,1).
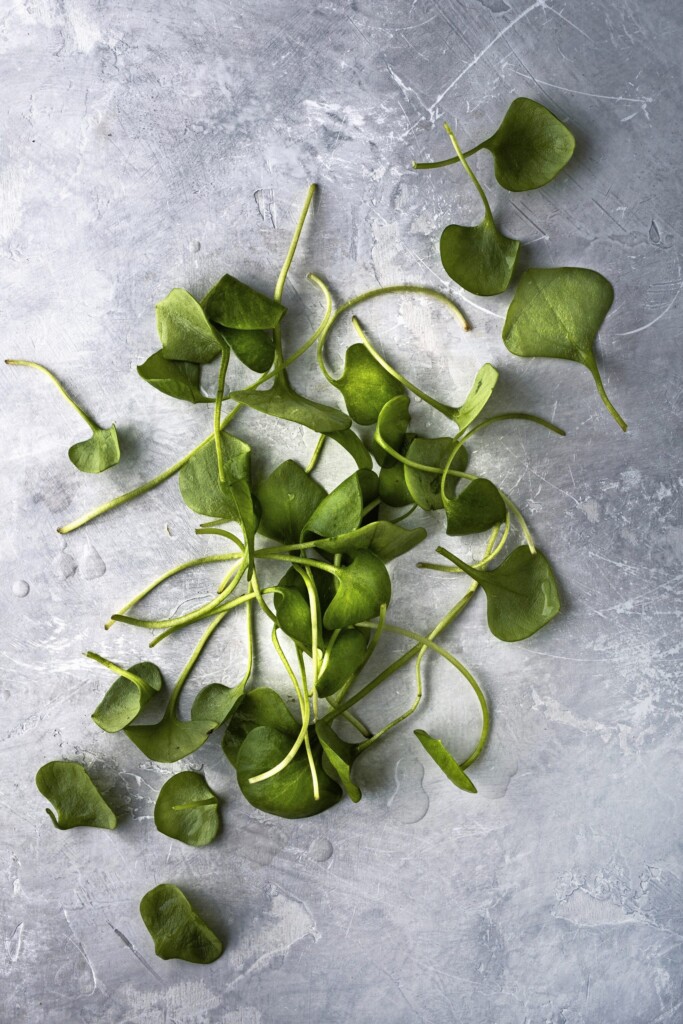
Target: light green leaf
(424,488)
(200,486)
(363,587)
(530,147)
(365,385)
(125,699)
(476,508)
(382,538)
(97,453)
(338,758)
(284,403)
(183,329)
(346,658)
(288,499)
(341,510)
(446,762)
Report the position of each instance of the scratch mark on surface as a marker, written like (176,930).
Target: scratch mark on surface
(637,330)
(126,941)
(642,100)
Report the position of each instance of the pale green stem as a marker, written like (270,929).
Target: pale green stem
(463,161)
(182,678)
(316,453)
(430,165)
(113,667)
(280,284)
(58,384)
(225,358)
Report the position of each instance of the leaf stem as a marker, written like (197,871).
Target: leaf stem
(58,384)
(593,367)
(316,453)
(280,284)
(225,358)
(113,667)
(430,165)
(463,161)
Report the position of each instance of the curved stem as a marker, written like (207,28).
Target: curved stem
(314,607)
(235,603)
(404,515)
(189,617)
(303,733)
(113,667)
(592,366)
(182,678)
(58,384)
(220,387)
(463,161)
(316,453)
(421,466)
(449,411)
(430,165)
(162,579)
(280,284)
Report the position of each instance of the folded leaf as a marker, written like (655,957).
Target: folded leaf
(446,762)
(363,587)
(177,379)
(424,488)
(256,349)
(284,403)
(177,930)
(184,330)
(384,539)
(338,758)
(74,796)
(231,303)
(125,699)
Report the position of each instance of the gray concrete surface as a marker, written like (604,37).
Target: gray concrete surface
(150,145)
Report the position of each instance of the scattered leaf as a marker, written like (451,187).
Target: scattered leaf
(177,930)
(187,809)
(126,697)
(446,762)
(74,796)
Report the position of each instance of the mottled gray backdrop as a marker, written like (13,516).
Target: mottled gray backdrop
(148,145)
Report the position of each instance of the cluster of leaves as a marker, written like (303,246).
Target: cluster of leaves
(556,312)
(329,552)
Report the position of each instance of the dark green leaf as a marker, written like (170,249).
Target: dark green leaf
(346,658)
(365,385)
(170,739)
(530,147)
(284,403)
(521,593)
(288,499)
(260,707)
(177,379)
(231,303)
(363,587)
(289,794)
(478,507)
(74,796)
(125,699)
(177,930)
(215,702)
(351,442)
(187,809)
(338,759)
(425,488)
(446,762)
(384,539)
(200,486)
(392,485)
(557,313)
(184,331)
(392,425)
(256,349)
(481,259)
(97,453)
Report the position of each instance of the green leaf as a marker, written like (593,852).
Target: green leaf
(289,794)
(351,442)
(177,930)
(363,587)
(384,539)
(293,613)
(177,379)
(288,499)
(338,759)
(341,510)
(216,702)
(187,809)
(365,385)
(170,739)
(392,426)
(479,395)
(74,796)
(200,486)
(424,488)
(557,313)
(231,303)
(446,762)
(480,259)
(392,485)
(97,453)
(478,507)
(261,706)
(125,699)
(530,147)
(256,349)
(185,333)
(346,658)
(521,593)
(284,403)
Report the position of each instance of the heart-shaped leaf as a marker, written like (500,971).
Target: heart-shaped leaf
(288,498)
(338,759)
(424,488)
(184,330)
(478,507)
(446,762)
(284,403)
(216,702)
(363,587)
(480,259)
(177,379)
(200,486)
(97,453)
(530,147)
(261,706)
(171,739)
(365,385)
(187,809)
(127,696)
(341,510)
(231,303)
(74,796)
(178,931)
(289,794)
(256,349)
(557,312)
(521,593)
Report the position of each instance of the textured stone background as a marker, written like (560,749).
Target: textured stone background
(150,145)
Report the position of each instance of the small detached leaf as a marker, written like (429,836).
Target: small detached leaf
(446,762)
(74,796)
(478,397)
(178,931)
(521,593)
(97,453)
(174,378)
(187,809)
(530,147)
(480,259)
(365,385)
(557,312)
(184,330)
(127,696)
